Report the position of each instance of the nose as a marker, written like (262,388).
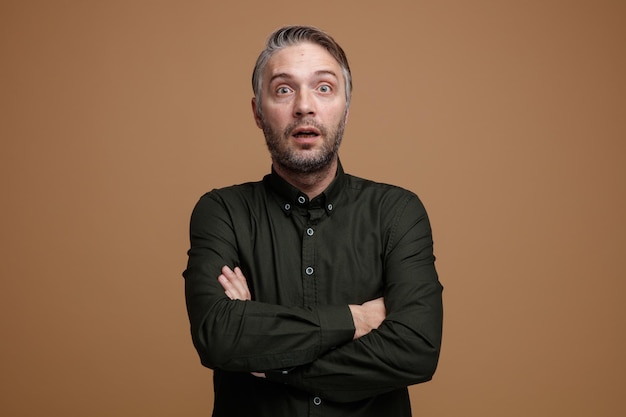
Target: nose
(304,104)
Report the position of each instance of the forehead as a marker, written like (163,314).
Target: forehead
(301,59)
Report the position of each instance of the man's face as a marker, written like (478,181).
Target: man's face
(303,107)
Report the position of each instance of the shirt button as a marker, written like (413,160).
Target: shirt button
(309,271)
(330,207)
(310,231)
(301,199)
(287,206)
(317,400)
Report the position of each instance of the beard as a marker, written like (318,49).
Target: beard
(304,160)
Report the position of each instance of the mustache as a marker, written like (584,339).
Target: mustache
(304,122)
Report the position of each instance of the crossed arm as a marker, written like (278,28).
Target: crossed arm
(367,316)
(395,340)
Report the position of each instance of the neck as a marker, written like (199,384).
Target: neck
(310,183)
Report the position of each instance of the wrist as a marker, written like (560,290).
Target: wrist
(355,310)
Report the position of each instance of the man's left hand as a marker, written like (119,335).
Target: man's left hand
(234,284)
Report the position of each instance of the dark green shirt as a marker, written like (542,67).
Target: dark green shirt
(305,262)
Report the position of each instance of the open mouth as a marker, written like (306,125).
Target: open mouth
(305,133)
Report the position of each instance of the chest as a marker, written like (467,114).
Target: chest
(310,258)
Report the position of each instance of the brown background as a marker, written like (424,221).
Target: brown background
(506,117)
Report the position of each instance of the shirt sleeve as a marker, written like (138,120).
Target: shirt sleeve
(404,350)
(247,335)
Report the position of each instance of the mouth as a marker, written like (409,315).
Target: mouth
(305,132)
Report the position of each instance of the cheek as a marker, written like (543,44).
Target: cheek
(336,116)
(276,118)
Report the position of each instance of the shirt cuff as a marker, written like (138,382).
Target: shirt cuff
(337,326)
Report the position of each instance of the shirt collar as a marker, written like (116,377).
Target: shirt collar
(290,197)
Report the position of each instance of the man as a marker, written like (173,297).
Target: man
(311,292)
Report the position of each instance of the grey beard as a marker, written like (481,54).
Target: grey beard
(297,163)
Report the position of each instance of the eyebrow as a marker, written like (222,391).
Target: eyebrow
(289,76)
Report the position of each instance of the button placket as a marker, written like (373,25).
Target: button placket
(310,269)
(309,284)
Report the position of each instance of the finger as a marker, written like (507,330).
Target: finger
(237,281)
(244,283)
(227,286)
(234,284)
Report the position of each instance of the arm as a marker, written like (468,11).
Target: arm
(404,350)
(366,317)
(248,335)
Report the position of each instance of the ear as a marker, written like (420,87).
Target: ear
(257,119)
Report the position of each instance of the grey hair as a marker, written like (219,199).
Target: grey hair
(293,35)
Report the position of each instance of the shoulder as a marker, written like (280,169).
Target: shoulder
(237,191)
(231,197)
(389,193)
(393,204)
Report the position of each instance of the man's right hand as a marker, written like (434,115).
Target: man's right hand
(368,316)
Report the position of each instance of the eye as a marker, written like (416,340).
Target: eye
(325,88)
(283,90)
